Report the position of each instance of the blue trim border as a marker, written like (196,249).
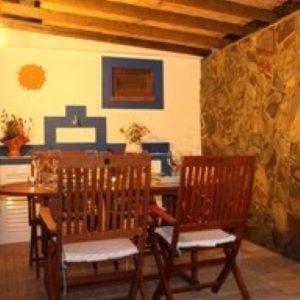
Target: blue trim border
(158,151)
(52,123)
(108,63)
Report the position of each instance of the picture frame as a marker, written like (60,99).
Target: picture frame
(132,83)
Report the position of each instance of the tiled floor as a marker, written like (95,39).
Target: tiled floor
(268,276)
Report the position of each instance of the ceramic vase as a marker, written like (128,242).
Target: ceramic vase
(134,148)
(14,145)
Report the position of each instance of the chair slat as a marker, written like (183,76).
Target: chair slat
(100,199)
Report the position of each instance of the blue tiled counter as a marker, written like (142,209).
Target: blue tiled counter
(4,160)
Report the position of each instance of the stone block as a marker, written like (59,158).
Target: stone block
(285,29)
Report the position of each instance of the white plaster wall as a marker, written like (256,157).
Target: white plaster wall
(73,72)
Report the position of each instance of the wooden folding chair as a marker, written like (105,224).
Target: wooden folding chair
(213,202)
(100,214)
(44,168)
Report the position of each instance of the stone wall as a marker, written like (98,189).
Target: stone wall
(250,103)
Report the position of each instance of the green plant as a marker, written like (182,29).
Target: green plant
(13,127)
(135,132)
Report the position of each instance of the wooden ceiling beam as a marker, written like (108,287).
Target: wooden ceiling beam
(113,27)
(138,14)
(81,34)
(287,8)
(214,6)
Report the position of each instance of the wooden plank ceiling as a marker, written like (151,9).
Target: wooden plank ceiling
(194,27)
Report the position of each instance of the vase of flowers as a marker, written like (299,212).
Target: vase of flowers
(15,132)
(134,135)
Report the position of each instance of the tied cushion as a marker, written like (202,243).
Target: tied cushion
(92,251)
(203,238)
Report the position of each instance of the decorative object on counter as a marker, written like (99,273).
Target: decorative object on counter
(16,132)
(132,83)
(133,136)
(174,161)
(75,120)
(32,77)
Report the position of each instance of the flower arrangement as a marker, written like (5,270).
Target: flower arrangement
(16,132)
(13,127)
(134,133)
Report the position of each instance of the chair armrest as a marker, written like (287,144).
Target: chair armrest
(47,220)
(156,211)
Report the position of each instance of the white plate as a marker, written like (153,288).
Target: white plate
(169,179)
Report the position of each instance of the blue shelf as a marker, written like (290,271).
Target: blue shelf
(5,160)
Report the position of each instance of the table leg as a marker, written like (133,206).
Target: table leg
(34,255)
(31,258)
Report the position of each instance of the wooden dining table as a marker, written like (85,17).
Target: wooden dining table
(44,190)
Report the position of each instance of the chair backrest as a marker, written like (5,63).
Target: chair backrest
(215,192)
(102,199)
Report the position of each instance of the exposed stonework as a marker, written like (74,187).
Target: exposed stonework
(250,103)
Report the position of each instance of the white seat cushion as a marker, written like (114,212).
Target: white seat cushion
(203,238)
(93,251)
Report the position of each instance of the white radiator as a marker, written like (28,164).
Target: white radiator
(13,210)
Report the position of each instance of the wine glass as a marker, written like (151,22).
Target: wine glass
(36,165)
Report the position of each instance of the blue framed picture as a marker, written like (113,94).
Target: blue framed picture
(132,83)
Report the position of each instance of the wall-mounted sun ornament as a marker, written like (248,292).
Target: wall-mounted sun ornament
(32,77)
